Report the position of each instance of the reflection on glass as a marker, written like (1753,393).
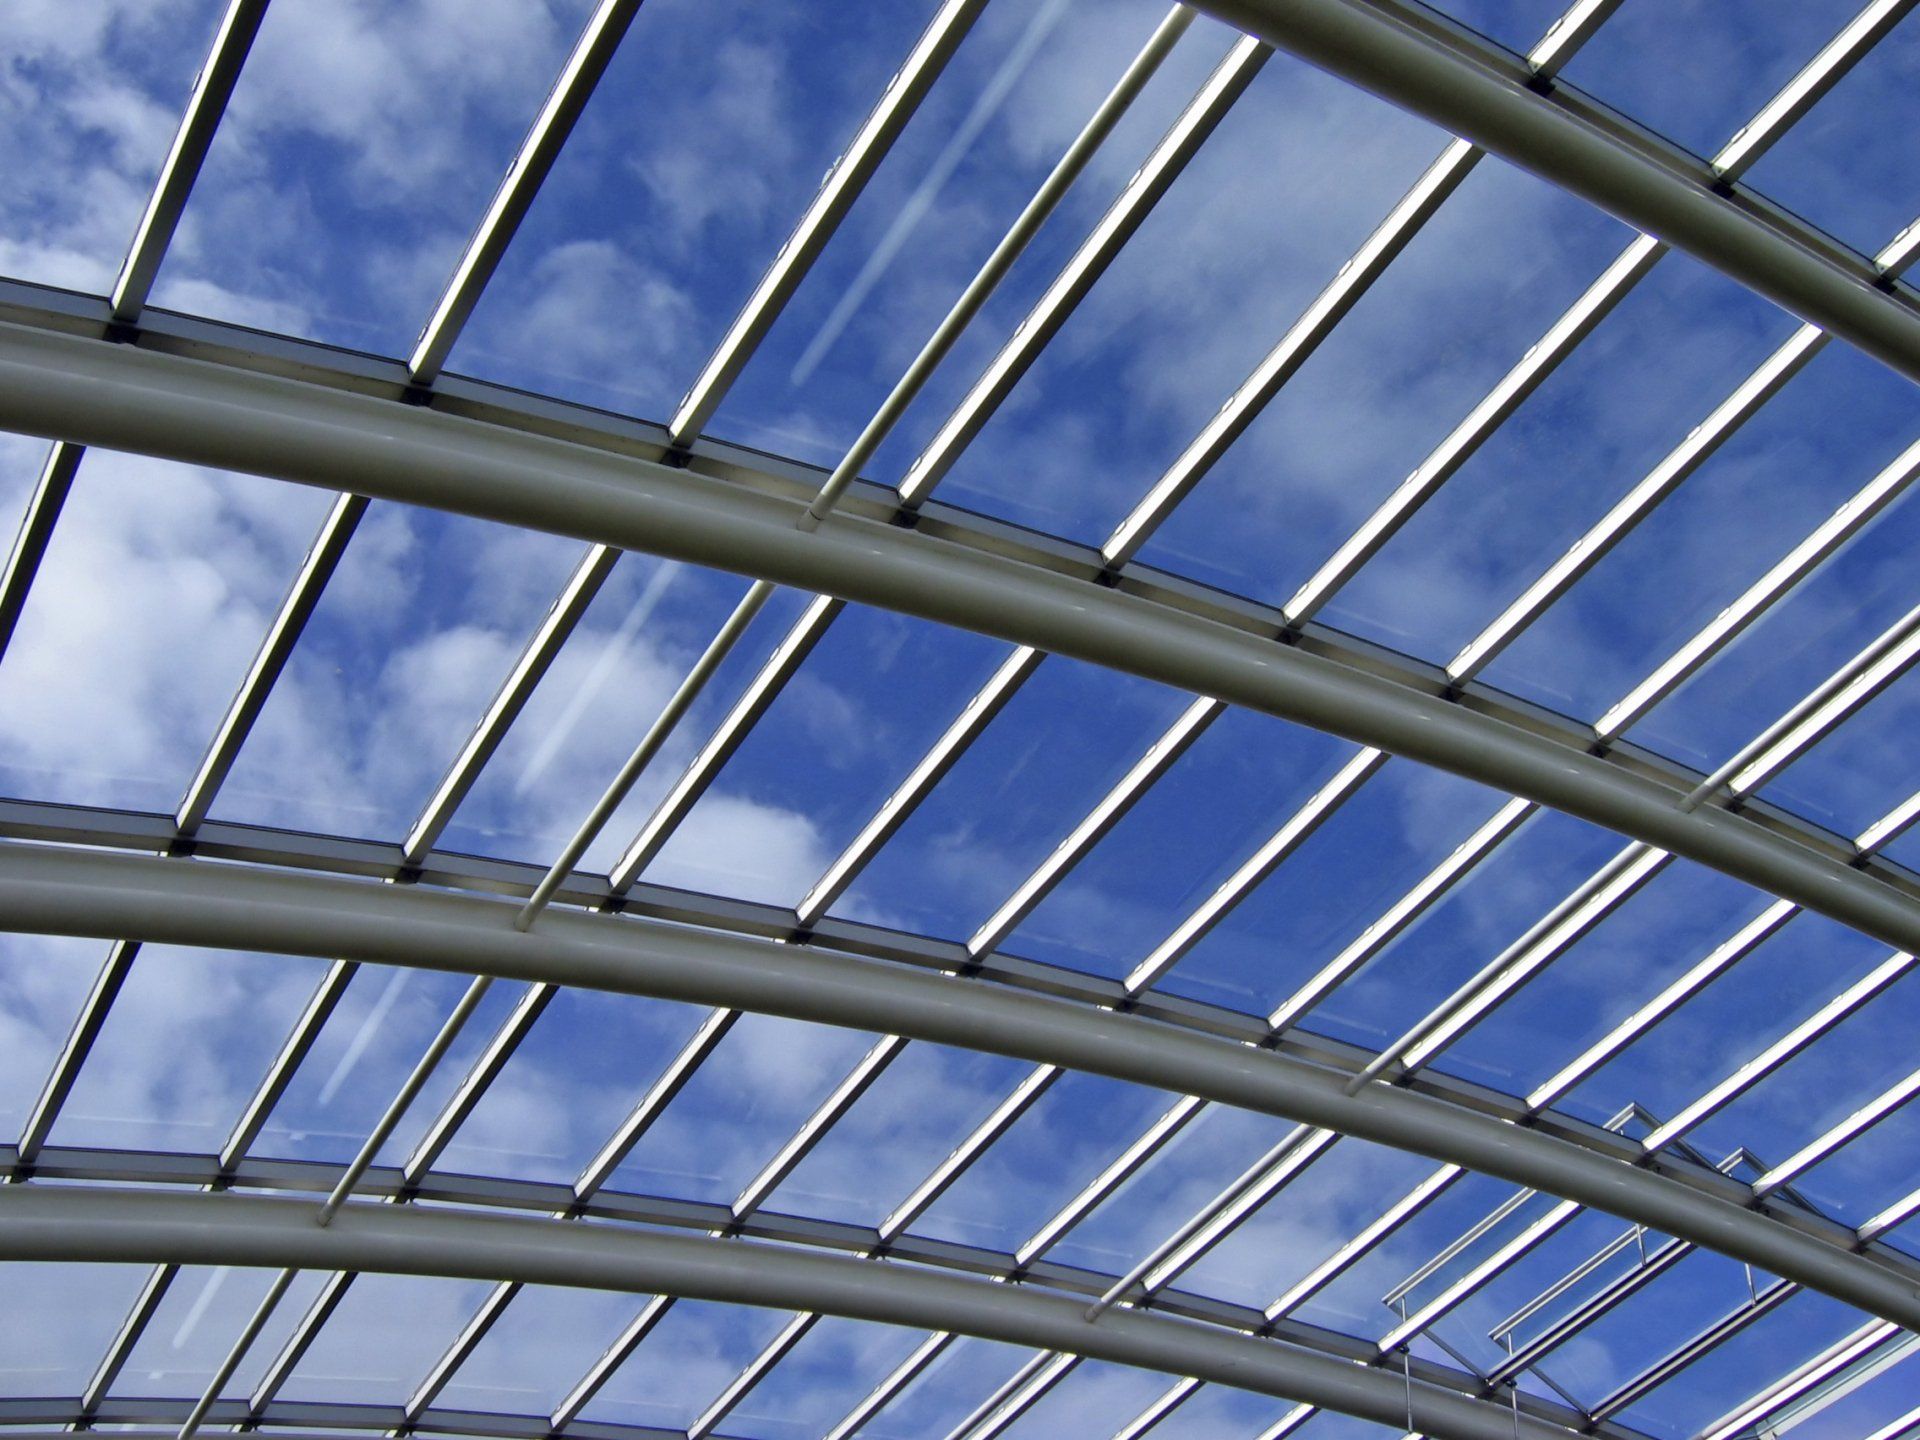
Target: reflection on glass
(823,1377)
(946,1392)
(155,592)
(184,1048)
(76,1310)
(380,1341)
(537,1350)
(688,1358)
(43,981)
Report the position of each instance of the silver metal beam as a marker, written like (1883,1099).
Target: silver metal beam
(1419,60)
(35,534)
(126,397)
(125,1225)
(50,890)
(73,1055)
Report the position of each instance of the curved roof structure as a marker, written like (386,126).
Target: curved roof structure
(1348,875)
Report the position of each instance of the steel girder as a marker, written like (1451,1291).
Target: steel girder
(74,387)
(110,1225)
(1432,66)
(52,890)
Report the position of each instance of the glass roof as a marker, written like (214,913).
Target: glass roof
(1014,718)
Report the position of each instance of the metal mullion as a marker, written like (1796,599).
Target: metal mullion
(1350,284)
(1014,1396)
(1107,812)
(1831,1364)
(1277,848)
(728,736)
(842,186)
(611,1359)
(262,1313)
(1843,1133)
(73,1054)
(485,1070)
(1798,563)
(562,618)
(1542,358)
(1773,1056)
(1721,1330)
(462,1348)
(1157,1410)
(1018,1101)
(596,1174)
(966,727)
(830,1110)
(1460,1290)
(1172,1120)
(212,89)
(1253,1187)
(1905,1427)
(1288,1423)
(1363,1241)
(658,1096)
(1834,60)
(30,542)
(883,1394)
(1545,940)
(1829,705)
(987,279)
(294,1349)
(139,1316)
(1136,201)
(1431,888)
(770,1355)
(585,64)
(276,648)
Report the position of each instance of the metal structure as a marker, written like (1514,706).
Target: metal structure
(1491,1144)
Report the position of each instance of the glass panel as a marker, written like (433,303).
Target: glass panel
(378,1345)
(1354,1301)
(1683,338)
(861,711)
(93,96)
(184,1047)
(1059,1145)
(410,641)
(1876,1403)
(753,1092)
(537,1351)
(1094,1398)
(1844,782)
(1341,1193)
(76,1310)
(1059,745)
(194,1327)
(927,1102)
(830,1371)
(1550,857)
(152,599)
(1011,101)
(1716,1032)
(1404,821)
(1213,1411)
(583,1065)
(1243,778)
(1841,167)
(1499,261)
(1156,1200)
(1692,70)
(1260,219)
(1829,1080)
(613,676)
(1731,1373)
(358,153)
(1871,1172)
(44,979)
(670,199)
(946,1392)
(1672,923)
(367,1048)
(692,1354)
(1785,471)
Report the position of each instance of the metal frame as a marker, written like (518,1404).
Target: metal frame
(192,390)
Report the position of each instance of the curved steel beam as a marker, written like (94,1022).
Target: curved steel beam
(122,397)
(1418,60)
(130,1225)
(46,889)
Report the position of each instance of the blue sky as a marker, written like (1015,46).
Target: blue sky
(362,143)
